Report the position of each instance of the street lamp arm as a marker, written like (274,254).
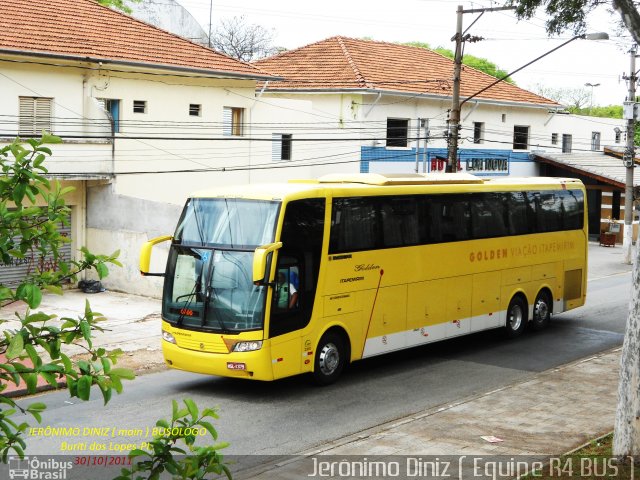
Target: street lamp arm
(501,79)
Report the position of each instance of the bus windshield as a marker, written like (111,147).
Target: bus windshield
(208,281)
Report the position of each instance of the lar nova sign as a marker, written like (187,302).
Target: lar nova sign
(474,164)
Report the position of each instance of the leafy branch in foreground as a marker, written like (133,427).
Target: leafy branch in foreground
(32,209)
(164,454)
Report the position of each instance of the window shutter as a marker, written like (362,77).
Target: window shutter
(43,115)
(276,147)
(227,120)
(34,115)
(26,125)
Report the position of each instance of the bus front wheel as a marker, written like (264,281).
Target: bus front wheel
(516,317)
(330,359)
(541,311)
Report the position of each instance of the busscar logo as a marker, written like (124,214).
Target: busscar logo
(38,469)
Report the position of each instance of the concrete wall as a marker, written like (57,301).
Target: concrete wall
(117,222)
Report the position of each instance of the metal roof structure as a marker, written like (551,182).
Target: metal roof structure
(597,165)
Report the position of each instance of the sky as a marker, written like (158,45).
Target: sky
(507,42)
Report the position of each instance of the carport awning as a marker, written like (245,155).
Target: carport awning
(596,165)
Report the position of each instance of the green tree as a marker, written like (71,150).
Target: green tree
(564,15)
(607,111)
(479,63)
(31,210)
(118,4)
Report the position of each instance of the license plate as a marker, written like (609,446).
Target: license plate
(236,366)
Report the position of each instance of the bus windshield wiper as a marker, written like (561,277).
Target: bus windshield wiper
(207,296)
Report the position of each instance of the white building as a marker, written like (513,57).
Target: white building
(379,92)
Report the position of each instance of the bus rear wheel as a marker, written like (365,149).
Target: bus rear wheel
(542,308)
(516,317)
(331,358)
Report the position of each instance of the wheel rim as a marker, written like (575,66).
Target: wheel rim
(329,359)
(515,317)
(542,310)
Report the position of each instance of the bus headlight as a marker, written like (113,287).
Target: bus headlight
(168,337)
(247,346)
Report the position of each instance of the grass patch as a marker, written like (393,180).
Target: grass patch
(594,461)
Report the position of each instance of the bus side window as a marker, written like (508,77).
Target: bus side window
(299,263)
(287,286)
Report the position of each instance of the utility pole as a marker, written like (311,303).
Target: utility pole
(629,156)
(426,140)
(454,118)
(418,144)
(210,15)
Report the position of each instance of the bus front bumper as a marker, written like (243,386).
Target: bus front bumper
(254,365)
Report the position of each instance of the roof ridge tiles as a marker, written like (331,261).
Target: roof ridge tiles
(361,79)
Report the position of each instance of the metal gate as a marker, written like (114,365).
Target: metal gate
(11,275)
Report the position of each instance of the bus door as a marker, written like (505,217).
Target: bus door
(294,286)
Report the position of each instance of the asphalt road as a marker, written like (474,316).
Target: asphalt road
(293,415)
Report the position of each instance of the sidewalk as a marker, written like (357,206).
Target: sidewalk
(546,416)
(132,324)
(550,413)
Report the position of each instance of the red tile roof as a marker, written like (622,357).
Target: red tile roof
(83,28)
(341,63)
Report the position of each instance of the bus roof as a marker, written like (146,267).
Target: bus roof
(401,178)
(377,183)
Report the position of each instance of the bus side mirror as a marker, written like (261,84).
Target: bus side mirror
(145,255)
(260,256)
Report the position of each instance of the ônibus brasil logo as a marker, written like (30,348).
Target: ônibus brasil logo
(33,468)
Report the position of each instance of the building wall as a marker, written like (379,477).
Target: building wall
(124,223)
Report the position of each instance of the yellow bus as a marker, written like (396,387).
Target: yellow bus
(268,281)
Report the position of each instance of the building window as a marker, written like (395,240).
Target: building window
(478,132)
(566,143)
(554,139)
(504,118)
(616,203)
(618,133)
(281,146)
(112,107)
(397,132)
(35,115)
(595,140)
(195,110)
(232,121)
(139,106)
(520,137)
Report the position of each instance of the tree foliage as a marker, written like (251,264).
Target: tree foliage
(563,15)
(33,345)
(479,63)
(31,210)
(572,15)
(243,41)
(118,4)
(196,462)
(607,111)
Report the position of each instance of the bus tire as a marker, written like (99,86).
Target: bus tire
(516,317)
(542,309)
(331,358)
